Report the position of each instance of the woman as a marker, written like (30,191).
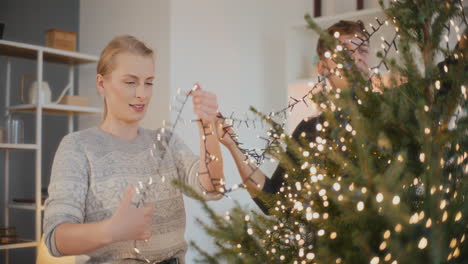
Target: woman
(91,205)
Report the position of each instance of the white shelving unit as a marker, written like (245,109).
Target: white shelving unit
(40,54)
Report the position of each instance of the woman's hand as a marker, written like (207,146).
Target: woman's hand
(205,104)
(128,222)
(226,134)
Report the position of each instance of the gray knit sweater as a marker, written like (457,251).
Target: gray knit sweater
(90,173)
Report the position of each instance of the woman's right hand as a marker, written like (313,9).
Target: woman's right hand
(225,133)
(128,222)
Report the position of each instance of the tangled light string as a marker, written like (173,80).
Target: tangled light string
(258,156)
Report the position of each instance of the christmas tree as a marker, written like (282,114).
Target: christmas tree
(386,179)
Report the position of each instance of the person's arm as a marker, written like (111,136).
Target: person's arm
(127,223)
(211,173)
(251,175)
(204,173)
(78,239)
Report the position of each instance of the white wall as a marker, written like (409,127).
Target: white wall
(237,50)
(148,20)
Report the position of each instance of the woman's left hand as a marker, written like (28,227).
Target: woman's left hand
(205,104)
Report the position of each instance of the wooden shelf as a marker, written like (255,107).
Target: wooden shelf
(29,51)
(17,146)
(24,206)
(324,20)
(57,109)
(25,244)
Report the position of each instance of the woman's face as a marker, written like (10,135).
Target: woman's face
(359,53)
(128,88)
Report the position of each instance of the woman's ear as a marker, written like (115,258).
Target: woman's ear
(322,67)
(100,84)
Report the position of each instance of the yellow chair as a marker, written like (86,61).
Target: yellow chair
(43,256)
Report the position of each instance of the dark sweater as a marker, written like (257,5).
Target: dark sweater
(272,185)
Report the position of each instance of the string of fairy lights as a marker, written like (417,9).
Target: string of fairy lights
(255,157)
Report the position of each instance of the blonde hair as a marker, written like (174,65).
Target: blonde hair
(118,45)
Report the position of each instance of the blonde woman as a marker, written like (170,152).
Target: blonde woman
(91,206)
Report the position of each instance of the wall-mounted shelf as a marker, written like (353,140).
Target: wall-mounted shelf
(29,51)
(353,15)
(25,244)
(18,146)
(24,206)
(57,109)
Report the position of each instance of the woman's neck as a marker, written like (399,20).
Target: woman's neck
(120,128)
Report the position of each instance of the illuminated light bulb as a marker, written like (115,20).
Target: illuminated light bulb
(422,243)
(428,223)
(443,203)
(336,34)
(388,257)
(387,234)
(360,206)
(421,216)
(375,260)
(453,243)
(398,228)
(427,131)
(458,216)
(298,186)
(383,245)
(336,186)
(309,216)
(422,157)
(327,54)
(333,235)
(414,218)
(396,200)
(379,197)
(321,232)
(313,170)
